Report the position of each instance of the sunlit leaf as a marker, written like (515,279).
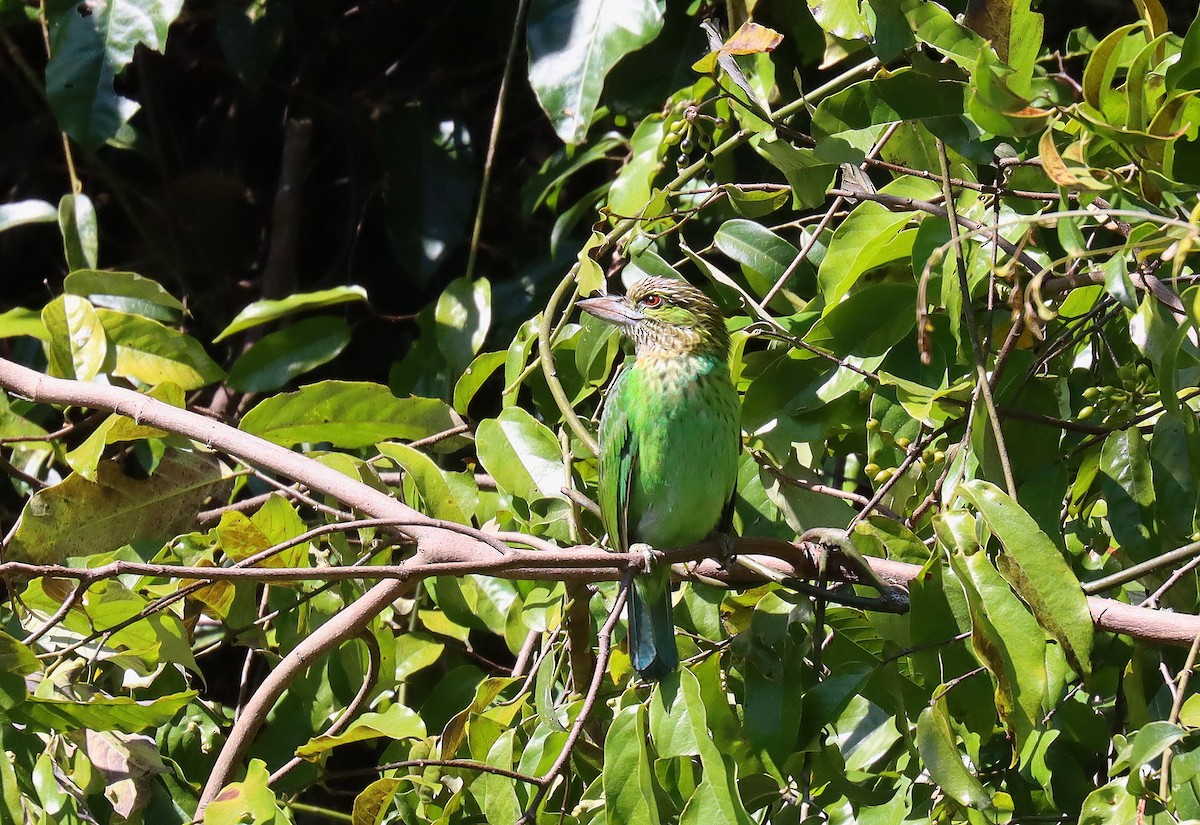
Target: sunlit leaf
(573,45)
(151,353)
(346,414)
(77,517)
(262,312)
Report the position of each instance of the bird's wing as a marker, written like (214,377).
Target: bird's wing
(618,457)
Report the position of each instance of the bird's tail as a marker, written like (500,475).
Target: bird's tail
(652,627)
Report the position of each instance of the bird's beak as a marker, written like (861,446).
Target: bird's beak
(615,309)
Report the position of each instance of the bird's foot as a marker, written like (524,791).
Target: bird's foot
(650,556)
(725,543)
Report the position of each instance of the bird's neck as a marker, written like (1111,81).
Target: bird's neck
(682,343)
(668,372)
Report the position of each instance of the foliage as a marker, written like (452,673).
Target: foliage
(957,259)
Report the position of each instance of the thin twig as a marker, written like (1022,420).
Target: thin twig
(494,137)
(1164,780)
(589,702)
(370,678)
(983,387)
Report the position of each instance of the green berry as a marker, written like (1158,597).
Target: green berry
(1091,393)
(1086,413)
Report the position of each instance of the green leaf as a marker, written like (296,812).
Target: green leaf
(1037,571)
(373,803)
(77,346)
(934,26)
(1015,33)
(248,801)
(632,189)
(589,275)
(1128,486)
(940,756)
(497,794)
(1117,282)
(628,780)
(1184,74)
(86,457)
(276,522)
(16,662)
(81,238)
(77,517)
(1111,804)
(842,120)
(283,355)
(717,798)
(809,176)
(1174,451)
(755,247)
(414,652)
(995,106)
(437,497)
(104,712)
(841,18)
(263,312)
(1102,67)
(474,376)
(22,321)
(755,203)
(572,46)
(868,323)
(1149,743)
(397,722)
(463,316)
(347,414)
(1007,641)
(870,236)
(19,213)
(126,292)
(148,352)
(87,51)
(522,455)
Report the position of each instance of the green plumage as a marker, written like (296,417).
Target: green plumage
(669,439)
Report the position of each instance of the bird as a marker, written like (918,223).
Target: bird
(670,437)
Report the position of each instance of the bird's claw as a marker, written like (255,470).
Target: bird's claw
(650,556)
(725,543)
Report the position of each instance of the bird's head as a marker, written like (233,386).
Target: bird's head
(664,317)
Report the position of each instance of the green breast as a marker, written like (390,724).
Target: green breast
(685,436)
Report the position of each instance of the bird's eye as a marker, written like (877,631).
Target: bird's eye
(652,301)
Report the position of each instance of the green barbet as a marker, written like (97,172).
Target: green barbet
(669,442)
